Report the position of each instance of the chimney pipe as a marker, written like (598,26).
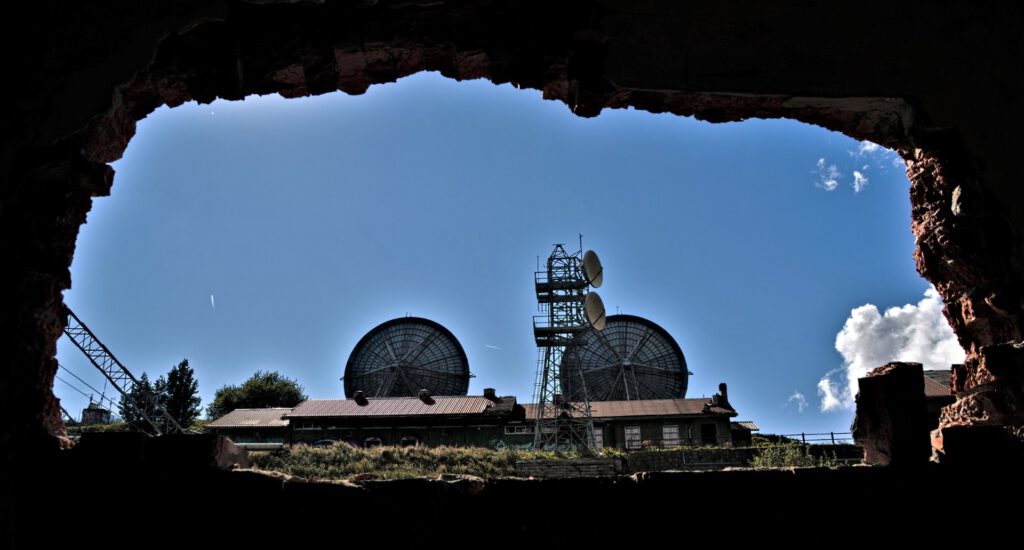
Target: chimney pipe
(491,395)
(360,398)
(425,397)
(723,391)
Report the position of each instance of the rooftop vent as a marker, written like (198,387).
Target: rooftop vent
(491,395)
(425,397)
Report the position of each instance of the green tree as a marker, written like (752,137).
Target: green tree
(134,402)
(177,393)
(180,394)
(263,389)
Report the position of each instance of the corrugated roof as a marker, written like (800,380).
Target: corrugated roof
(252,418)
(392,406)
(936,383)
(746,425)
(646,407)
(940,376)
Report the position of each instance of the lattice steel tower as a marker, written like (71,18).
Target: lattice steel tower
(567,311)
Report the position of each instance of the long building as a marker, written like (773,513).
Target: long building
(482,421)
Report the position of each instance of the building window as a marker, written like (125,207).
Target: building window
(520,429)
(599,437)
(632,437)
(670,436)
(308,425)
(708,434)
(371,442)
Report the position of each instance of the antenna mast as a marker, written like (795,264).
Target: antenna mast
(567,311)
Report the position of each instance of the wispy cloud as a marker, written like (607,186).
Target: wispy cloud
(860,181)
(883,158)
(867,147)
(213,304)
(828,175)
(915,332)
(493,347)
(799,400)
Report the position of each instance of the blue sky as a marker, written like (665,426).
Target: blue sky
(312,220)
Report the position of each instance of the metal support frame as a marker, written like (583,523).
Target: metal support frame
(119,376)
(560,424)
(67,416)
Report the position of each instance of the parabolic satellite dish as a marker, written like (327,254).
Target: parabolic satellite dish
(400,357)
(631,359)
(592,269)
(594,308)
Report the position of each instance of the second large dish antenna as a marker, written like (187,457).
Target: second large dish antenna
(594,307)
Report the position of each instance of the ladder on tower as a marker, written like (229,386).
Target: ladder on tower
(119,376)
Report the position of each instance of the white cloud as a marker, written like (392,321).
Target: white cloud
(860,181)
(488,346)
(799,400)
(867,147)
(873,153)
(869,339)
(828,176)
(832,392)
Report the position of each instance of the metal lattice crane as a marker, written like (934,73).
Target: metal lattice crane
(67,416)
(119,376)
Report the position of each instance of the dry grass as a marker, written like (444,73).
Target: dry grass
(343,461)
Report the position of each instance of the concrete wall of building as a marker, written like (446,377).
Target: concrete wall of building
(491,436)
(249,435)
(487,436)
(652,431)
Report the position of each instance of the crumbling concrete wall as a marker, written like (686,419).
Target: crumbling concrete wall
(561,469)
(118,489)
(892,423)
(940,85)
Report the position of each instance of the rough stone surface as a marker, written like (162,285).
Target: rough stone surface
(106,67)
(247,508)
(940,86)
(561,469)
(688,460)
(891,423)
(981,446)
(177,452)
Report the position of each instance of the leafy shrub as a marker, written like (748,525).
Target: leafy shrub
(790,455)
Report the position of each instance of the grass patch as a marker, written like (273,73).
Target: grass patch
(343,461)
(792,455)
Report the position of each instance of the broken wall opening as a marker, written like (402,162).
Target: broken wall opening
(313,223)
(72,122)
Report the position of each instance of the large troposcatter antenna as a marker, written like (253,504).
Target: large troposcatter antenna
(631,359)
(400,357)
(567,311)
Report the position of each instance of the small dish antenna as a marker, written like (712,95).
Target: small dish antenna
(592,268)
(595,311)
